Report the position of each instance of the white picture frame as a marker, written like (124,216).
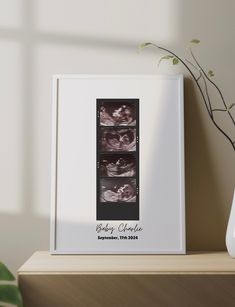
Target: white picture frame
(150,207)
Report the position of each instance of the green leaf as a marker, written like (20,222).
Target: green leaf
(231,106)
(195,41)
(5,274)
(10,294)
(166,57)
(210,73)
(143,45)
(175,61)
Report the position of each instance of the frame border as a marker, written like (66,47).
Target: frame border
(54,159)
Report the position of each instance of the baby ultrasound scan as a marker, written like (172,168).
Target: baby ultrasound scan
(117,114)
(118,139)
(117,165)
(118,190)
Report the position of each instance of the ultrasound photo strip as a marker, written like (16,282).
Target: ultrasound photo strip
(117,159)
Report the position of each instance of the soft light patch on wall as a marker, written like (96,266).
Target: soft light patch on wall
(10,13)
(11,121)
(122,21)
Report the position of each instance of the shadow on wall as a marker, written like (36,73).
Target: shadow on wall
(205,197)
(21,235)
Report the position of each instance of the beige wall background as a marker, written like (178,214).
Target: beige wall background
(39,38)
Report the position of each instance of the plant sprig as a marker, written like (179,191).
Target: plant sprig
(206,77)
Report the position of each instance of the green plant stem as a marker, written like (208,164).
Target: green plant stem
(200,89)
(221,110)
(205,84)
(189,70)
(215,85)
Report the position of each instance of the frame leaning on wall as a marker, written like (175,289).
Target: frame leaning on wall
(117,172)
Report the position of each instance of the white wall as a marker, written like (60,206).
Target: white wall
(39,38)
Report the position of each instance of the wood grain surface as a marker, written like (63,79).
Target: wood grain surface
(193,263)
(194,280)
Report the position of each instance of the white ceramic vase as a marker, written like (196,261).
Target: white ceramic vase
(230,233)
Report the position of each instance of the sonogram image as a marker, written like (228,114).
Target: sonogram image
(118,139)
(118,165)
(117,114)
(117,190)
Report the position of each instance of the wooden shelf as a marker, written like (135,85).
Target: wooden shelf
(192,263)
(196,279)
